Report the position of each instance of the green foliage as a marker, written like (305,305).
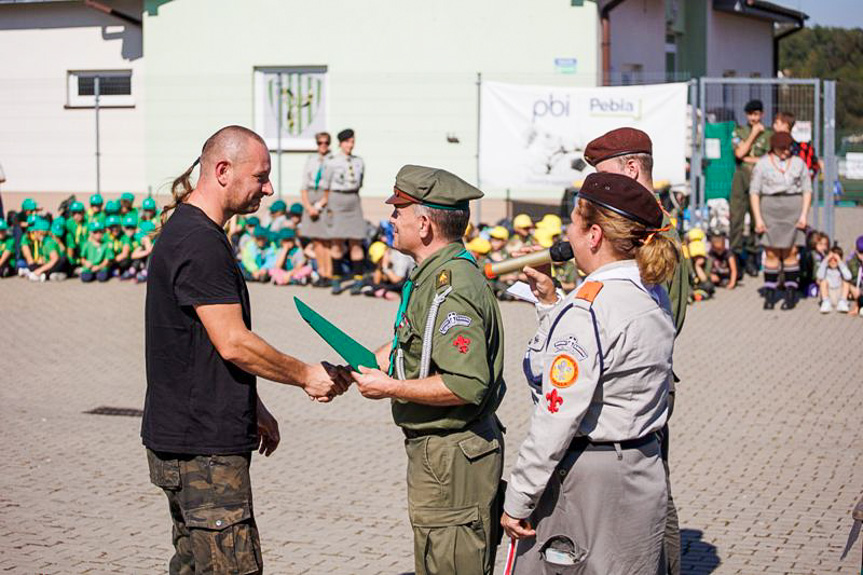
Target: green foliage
(830,54)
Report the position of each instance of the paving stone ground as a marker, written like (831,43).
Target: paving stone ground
(766,444)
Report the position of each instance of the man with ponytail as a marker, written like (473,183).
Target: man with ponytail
(202,414)
(629,152)
(588,492)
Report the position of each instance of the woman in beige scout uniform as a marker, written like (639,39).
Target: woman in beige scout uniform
(589,477)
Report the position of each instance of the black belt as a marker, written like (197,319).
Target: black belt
(584,443)
(477,427)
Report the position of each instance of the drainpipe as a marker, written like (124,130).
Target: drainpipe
(604,18)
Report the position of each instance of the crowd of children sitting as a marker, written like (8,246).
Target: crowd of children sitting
(824,272)
(114,238)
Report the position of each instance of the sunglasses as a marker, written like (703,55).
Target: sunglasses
(323,143)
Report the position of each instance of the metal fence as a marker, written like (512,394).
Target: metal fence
(811,101)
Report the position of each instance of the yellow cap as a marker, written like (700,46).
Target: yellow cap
(499,233)
(551,220)
(545,237)
(479,246)
(697,250)
(377,251)
(522,221)
(695,235)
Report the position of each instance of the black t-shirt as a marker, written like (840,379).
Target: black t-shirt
(196,402)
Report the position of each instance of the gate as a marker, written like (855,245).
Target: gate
(718,105)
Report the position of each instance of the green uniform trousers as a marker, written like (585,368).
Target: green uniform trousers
(210,499)
(739,206)
(453,496)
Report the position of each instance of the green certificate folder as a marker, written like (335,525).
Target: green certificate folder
(351,351)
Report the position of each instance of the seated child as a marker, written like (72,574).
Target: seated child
(97,255)
(522,227)
(7,250)
(834,282)
(76,234)
(817,248)
(148,210)
(722,264)
(295,214)
(145,240)
(855,266)
(392,269)
(128,244)
(290,265)
(278,219)
(47,253)
(254,255)
(703,288)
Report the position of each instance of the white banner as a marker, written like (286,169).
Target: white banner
(530,136)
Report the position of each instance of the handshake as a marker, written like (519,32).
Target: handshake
(324,381)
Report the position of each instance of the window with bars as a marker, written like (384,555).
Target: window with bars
(114,88)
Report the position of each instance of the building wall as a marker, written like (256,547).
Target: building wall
(638,37)
(402,73)
(43,145)
(738,43)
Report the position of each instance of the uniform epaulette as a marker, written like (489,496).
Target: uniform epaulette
(588,291)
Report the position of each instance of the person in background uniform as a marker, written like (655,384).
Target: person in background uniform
(127,205)
(97,254)
(144,242)
(96,212)
(343,180)
(315,198)
(629,152)
(128,244)
(48,258)
(295,216)
(7,251)
(112,208)
(148,210)
(278,217)
(76,234)
(780,195)
(444,374)
(750,143)
(588,490)
(522,227)
(203,417)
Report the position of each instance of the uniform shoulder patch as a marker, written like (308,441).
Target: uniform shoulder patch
(564,371)
(444,278)
(588,291)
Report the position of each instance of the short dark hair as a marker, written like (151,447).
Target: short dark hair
(837,250)
(451,223)
(753,106)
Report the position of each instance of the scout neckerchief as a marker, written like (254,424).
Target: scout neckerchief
(37,249)
(320,172)
(407,290)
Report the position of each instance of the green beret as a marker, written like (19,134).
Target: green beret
(127,197)
(278,206)
(297,209)
(130,221)
(149,204)
(432,187)
(41,225)
(96,200)
(28,204)
(113,221)
(112,207)
(76,207)
(96,226)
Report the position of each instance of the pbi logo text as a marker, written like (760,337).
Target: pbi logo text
(615,107)
(551,107)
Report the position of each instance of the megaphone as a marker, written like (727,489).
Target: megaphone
(559,252)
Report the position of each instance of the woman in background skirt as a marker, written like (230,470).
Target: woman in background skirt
(315,196)
(780,194)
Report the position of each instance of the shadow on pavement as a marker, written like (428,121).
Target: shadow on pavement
(698,557)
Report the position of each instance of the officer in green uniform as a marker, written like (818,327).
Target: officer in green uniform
(750,143)
(444,374)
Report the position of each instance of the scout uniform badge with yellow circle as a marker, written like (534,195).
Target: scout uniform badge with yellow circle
(564,371)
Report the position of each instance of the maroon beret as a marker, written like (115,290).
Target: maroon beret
(781,141)
(619,142)
(623,195)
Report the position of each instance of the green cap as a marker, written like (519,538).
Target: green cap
(3,224)
(297,209)
(253,221)
(113,221)
(129,221)
(96,226)
(261,232)
(58,228)
(149,204)
(278,206)
(112,207)
(31,219)
(28,204)
(148,227)
(127,197)
(432,187)
(76,207)
(287,234)
(40,225)
(96,200)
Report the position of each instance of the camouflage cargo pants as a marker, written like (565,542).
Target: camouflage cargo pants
(210,500)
